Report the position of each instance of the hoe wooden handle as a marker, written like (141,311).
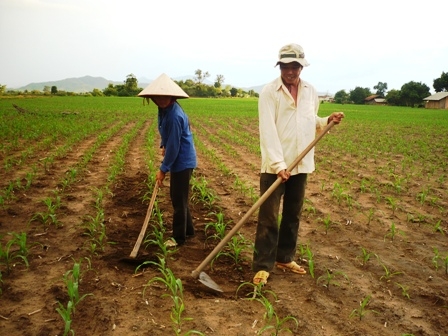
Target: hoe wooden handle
(145,223)
(257,204)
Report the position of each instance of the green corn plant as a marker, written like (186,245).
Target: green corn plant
(310,256)
(177,317)
(393,203)
(438,227)
(273,321)
(329,277)
(158,239)
(71,280)
(435,258)
(370,215)
(66,314)
(365,256)
(392,232)
(234,250)
(404,290)
(168,279)
(219,227)
(14,249)
(327,223)
(421,196)
(362,310)
(387,272)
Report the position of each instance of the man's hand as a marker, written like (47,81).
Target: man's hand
(284,175)
(336,117)
(160,176)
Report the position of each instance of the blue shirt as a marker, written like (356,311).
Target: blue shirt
(174,129)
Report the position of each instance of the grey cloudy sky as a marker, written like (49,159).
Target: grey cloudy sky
(349,43)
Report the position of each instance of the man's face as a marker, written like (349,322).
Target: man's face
(290,72)
(161,101)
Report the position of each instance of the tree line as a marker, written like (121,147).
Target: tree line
(410,94)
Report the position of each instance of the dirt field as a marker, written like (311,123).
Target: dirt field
(408,294)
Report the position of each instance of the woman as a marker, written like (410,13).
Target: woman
(179,153)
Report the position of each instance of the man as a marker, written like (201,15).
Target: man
(288,121)
(179,153)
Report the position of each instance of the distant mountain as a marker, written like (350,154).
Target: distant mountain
(88,83)
(78,85)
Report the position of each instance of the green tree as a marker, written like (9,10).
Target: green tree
(441,84)
(97,93)
(110,90)
(393,97)
(54,89)
(359,94)
(219,81)
(233,92)
(201,76)
(412,93)
(381,89)
(2,89)
(341,97)
(131,83)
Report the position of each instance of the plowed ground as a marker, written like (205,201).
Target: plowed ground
(118,306)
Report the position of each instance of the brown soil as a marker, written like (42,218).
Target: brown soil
(30,296)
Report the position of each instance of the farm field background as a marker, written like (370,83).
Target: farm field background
(77,174)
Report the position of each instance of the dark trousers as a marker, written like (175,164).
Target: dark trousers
(179,193)
(274,242)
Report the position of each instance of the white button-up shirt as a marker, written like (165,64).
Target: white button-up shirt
(286,129)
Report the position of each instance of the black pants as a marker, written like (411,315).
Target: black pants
(179,193)
(274,242)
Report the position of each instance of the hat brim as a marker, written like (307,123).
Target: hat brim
(163,86)
(303,62)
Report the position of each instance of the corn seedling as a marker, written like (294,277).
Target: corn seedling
(168,279)
(438,228)
(14,249)
(435,258)
(392,232)
(310,256)
(158,240)
(328,278)
(404,290)
(388,274)
(327,223)
(445,262)
(365,256)
(219,227)
(234,250)
(393,203)
(362,310)
(71,280)
(370,215)
(66,314)
(421,196)
(273,321)
(49,217)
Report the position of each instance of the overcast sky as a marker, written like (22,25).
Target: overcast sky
(348,43)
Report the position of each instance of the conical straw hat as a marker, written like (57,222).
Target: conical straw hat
(163,86)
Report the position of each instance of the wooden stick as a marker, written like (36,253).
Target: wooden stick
(34,312)
(145,223)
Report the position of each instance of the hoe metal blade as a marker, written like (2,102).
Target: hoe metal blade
(206,280)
